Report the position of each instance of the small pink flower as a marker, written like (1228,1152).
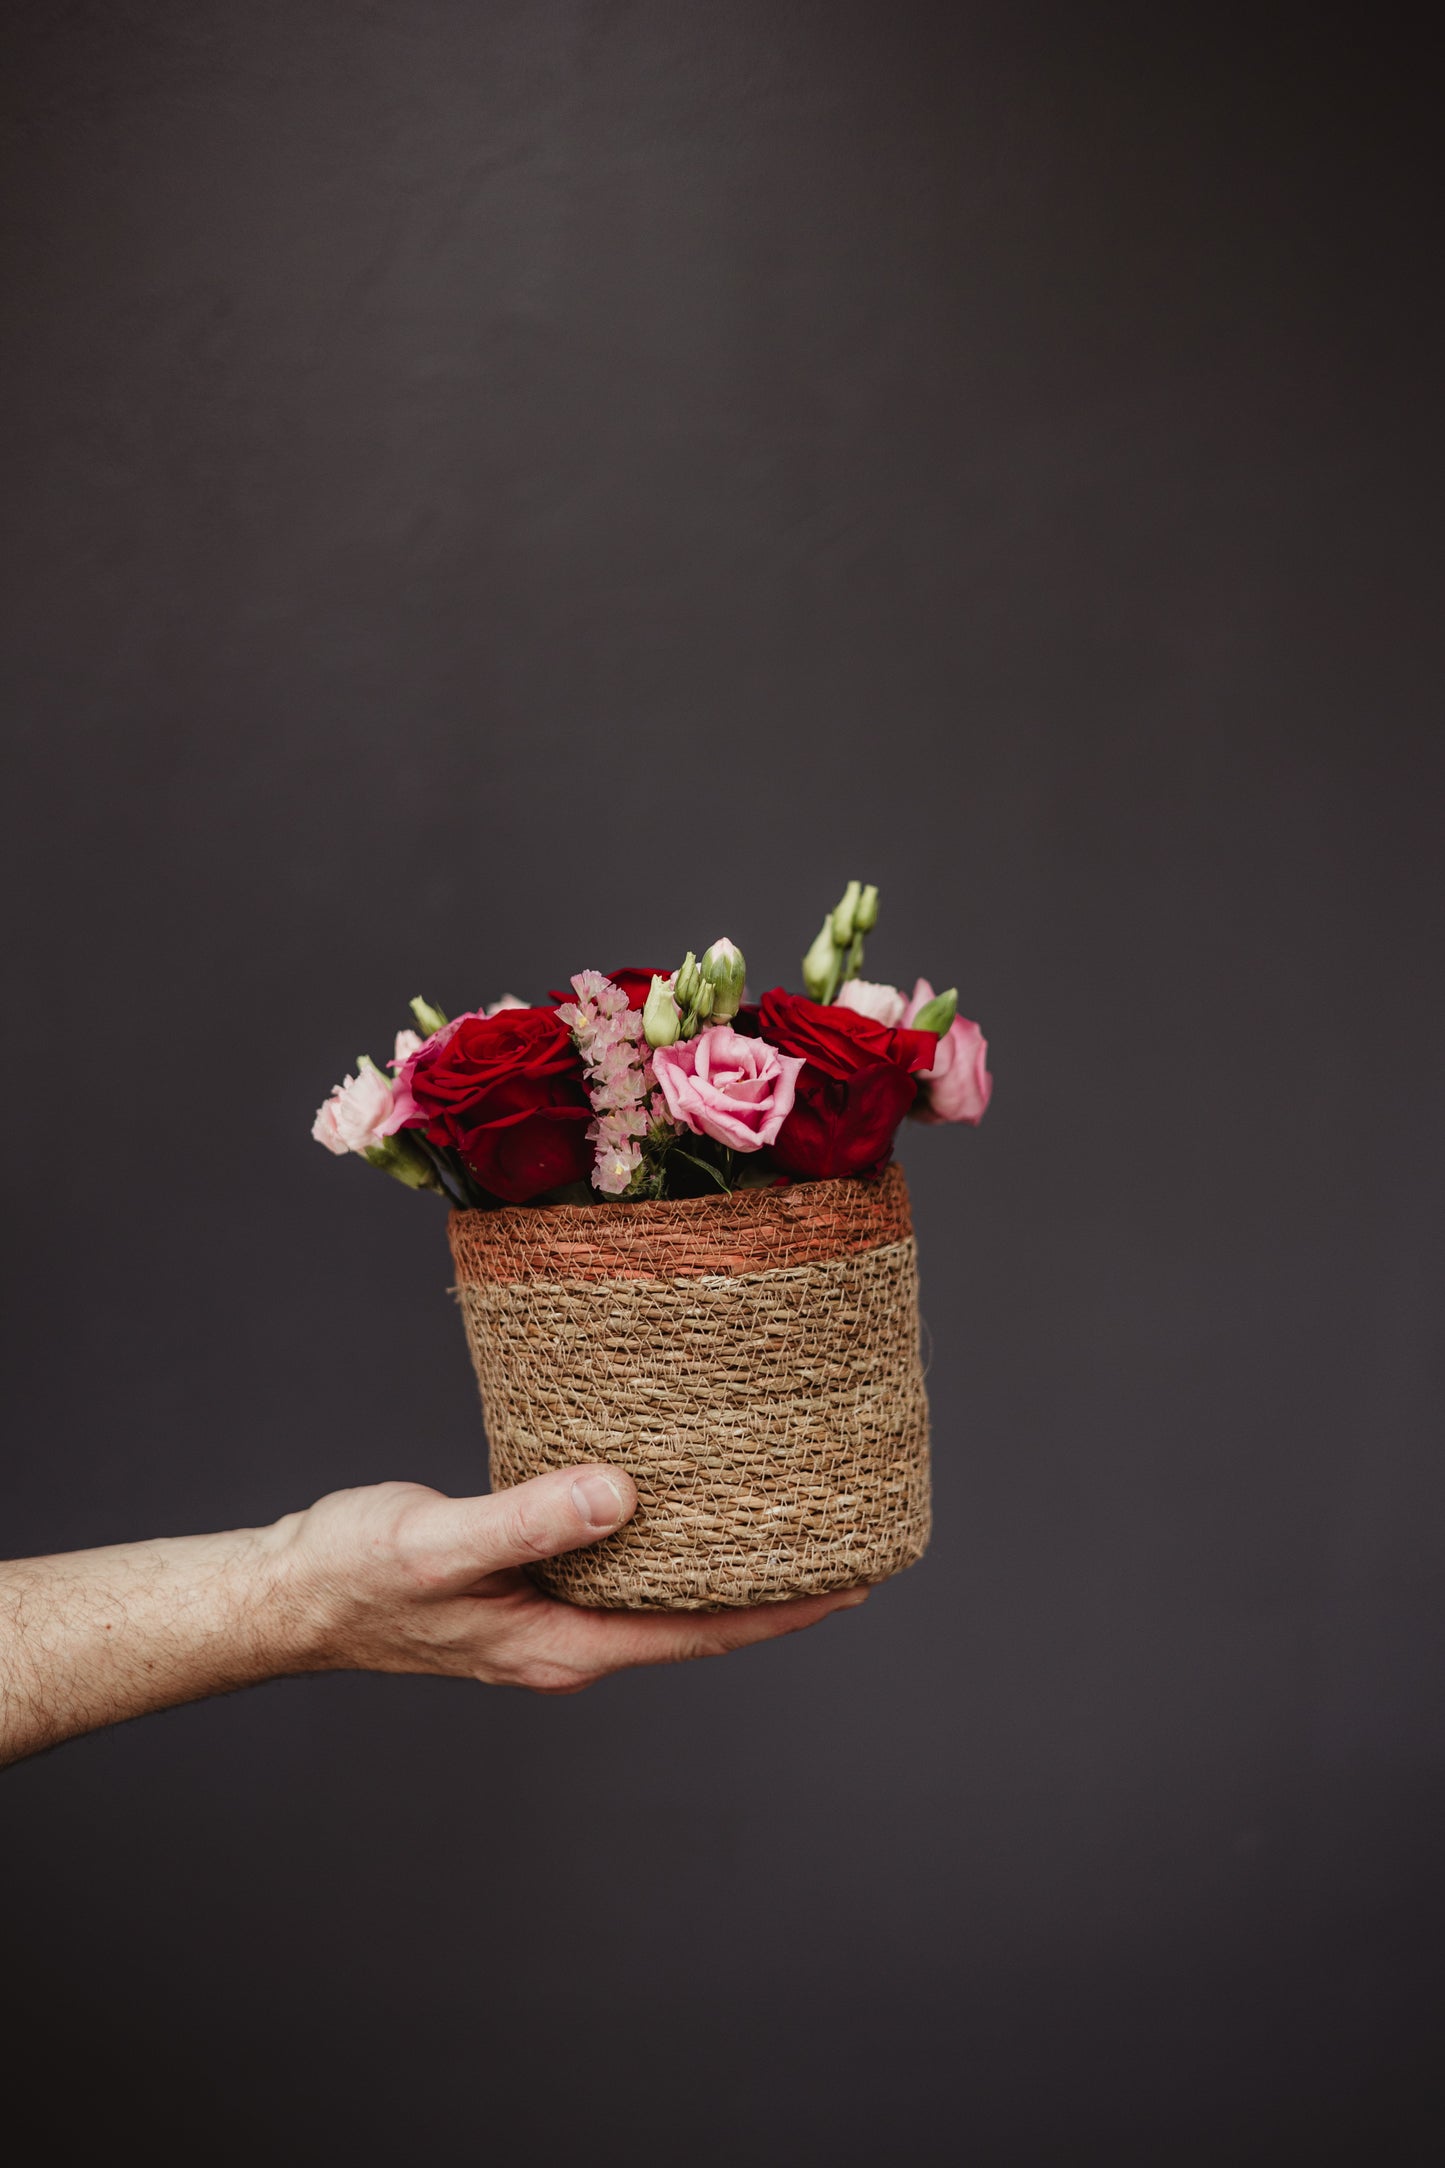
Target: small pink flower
(353,1118)
(958,1087)
(614,1168)
(507,1001)
(737,1091)
(607,1033)
(885,1004)
(405,1113)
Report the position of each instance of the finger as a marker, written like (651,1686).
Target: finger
(556,1512)
(602,1641)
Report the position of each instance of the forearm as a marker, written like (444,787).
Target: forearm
(390,1577)
(93,1637)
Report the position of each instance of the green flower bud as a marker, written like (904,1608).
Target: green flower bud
(686,982)
(661,1022)
(428,1019)
(702,1006)
(726,972)
(938,1014)
(865,918)
(844,916)
(820,965)
(401,1159)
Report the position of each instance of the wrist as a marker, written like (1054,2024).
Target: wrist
(288,1598)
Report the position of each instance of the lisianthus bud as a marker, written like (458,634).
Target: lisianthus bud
(937,1015)
(865,918)
(820,965)
(660,1019)
(957,1088)
(845,915)
(404,1161)
(885,1004)
(428,1018)
(702,1004)
(686,982)
(726,970)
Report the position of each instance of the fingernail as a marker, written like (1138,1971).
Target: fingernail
(598,1500)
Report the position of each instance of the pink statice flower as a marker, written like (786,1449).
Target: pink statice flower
(736,1090)
(620,1079)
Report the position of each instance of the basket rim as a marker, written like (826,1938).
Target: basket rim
(664,1238)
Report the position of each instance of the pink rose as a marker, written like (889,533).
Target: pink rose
(737,1091)
(354,1117)
(958,1086)
(866,997)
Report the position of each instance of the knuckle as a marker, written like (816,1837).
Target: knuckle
(531,1674)
(398,1493)
(545,1678)
(525,1531)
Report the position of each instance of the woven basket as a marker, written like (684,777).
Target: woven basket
(751,1360)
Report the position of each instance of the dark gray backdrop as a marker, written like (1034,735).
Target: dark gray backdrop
(496,488)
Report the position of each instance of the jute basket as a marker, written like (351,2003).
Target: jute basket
(752,1361)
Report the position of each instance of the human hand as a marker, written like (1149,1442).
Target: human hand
(396,1577)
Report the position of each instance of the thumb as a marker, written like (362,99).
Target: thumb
(559,1511)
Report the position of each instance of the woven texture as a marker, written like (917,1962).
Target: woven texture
(752,1361)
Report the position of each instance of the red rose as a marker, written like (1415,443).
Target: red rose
(635,983)
(507,1092)
(854,1090)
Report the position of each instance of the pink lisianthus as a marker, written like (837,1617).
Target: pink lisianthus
(737,1091)
(866,997)
(405,1113)
(354,1118)
(958,1086)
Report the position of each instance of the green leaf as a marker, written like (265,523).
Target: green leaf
(706,1166)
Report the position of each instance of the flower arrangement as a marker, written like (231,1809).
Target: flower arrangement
(742,1333)
(647,1085)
